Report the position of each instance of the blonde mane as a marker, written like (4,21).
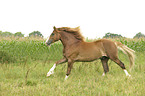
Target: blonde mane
(74,31)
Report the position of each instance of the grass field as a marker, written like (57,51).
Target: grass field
(24,64)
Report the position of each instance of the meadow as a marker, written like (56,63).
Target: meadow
(24,63)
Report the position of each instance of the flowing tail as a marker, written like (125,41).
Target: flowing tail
(127,51)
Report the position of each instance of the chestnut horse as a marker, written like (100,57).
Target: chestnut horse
(75,49)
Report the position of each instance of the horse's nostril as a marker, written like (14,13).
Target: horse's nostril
(49,42)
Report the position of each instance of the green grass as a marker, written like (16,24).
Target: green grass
(26,75)
(85,80)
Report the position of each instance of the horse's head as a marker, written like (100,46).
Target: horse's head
(55,36)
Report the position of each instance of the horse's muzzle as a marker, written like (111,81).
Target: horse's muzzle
(49,42)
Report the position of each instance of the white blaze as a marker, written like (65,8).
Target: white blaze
(47,40)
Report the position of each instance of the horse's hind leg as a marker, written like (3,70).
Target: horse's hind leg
(104,61)
(116,60)
(51,71)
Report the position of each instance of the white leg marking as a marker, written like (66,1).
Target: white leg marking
(127,74)
(66,77)
(51,71)
(103,74)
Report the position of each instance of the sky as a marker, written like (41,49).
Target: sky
(95,17)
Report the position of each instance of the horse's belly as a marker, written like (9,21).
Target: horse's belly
(88,57)
(85,59)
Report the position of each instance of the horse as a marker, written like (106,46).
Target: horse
(76,49)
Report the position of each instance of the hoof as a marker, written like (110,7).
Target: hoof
(49,73)
(128,75)
(66,77)
(103,74)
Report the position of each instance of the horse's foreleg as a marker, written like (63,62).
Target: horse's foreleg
(70,65)
(104,61)
(51,71)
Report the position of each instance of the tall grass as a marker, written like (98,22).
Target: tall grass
(30,59)
(22,49)
(30,49)
(135,44)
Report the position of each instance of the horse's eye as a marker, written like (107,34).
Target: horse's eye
(52,34)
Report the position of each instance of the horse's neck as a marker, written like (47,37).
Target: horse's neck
(68,39)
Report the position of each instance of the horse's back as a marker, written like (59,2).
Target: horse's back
(103,41)
(89,51)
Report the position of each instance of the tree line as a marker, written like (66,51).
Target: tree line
(38,34)
(112,35)
(20,34)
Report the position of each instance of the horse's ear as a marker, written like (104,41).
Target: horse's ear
(55,29)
